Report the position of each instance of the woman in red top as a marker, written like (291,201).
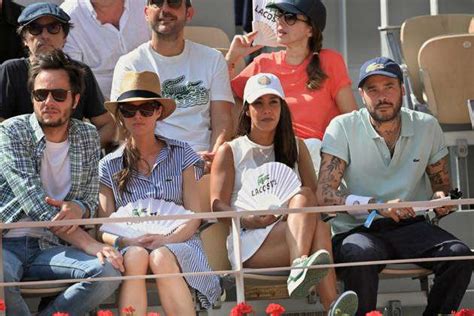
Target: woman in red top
(315,80)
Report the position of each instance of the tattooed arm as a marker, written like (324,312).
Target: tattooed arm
(330,176)
(439,175)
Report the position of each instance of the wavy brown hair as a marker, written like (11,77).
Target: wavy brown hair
(316,75)
(284,143)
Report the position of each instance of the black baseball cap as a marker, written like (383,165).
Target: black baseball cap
(380,66)
(313,9)
(37,10)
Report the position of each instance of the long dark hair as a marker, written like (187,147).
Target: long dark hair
(284,143)
(316,75)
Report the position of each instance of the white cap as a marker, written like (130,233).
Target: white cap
(261,84)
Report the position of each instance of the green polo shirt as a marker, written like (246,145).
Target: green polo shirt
(371,172)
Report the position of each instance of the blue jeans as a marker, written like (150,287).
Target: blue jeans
(23,259)
(409,239)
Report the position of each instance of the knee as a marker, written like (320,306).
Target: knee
(136,260)
(350,252)
(305,197)
(457,249)
(163,261)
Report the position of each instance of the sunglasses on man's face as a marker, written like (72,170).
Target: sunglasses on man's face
(59,95)
(37,29)
(290,18)
(145,109)
(174,4)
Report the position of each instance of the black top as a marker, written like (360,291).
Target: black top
(15,99)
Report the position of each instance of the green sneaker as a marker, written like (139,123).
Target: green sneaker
(345,305)
(300,280)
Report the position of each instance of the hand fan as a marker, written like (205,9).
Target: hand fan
(269,186)
(264,21)
(146,207)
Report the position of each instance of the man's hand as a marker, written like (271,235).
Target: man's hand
(105,252)
(397,213)
(67,210)
(443,210)
(208,157)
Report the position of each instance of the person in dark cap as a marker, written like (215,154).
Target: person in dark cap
(43,28)
(315,80)
(387,154)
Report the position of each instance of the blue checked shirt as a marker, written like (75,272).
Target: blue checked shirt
(22,144)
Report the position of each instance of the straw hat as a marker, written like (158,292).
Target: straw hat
(141,86)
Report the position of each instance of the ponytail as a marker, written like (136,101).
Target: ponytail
(316,75)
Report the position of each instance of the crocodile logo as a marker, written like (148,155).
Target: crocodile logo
(262,178)
(186,93)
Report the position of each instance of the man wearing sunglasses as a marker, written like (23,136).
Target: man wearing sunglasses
(43,28)
(194,75)
(50,173)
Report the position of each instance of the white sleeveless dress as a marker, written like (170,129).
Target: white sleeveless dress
(248,155)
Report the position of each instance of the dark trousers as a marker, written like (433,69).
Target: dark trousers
(413,238)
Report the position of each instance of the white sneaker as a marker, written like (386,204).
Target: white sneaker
(345,305)
(301,280)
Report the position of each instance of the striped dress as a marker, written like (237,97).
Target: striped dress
(166,183)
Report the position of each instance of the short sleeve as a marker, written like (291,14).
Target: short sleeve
(191,158)
(439,149)
(335,141)
(238,83)
(104,173)
(336,69)
(220,86)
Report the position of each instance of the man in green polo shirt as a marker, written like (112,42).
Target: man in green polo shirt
(387,153)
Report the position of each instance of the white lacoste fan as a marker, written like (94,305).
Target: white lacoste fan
(264,21)
(142,208)
(269,186)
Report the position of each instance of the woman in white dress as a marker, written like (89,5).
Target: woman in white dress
(302,239)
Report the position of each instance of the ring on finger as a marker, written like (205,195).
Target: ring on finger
(398,212)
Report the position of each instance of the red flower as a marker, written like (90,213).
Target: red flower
(60,314)
(129,310)
(241,309)
(463,312)
(275,310)
(153,314)
(3,307)
(105,313)
(374,313)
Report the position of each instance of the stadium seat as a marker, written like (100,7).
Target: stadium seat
(206,35)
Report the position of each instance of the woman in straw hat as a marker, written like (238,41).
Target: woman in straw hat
(300,240)
(154,167)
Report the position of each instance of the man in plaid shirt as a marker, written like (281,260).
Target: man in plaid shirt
(50,173)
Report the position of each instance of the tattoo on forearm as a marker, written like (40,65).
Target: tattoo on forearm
(439,175)
(330,176)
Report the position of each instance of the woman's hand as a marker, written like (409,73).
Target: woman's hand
(241,46)
(258,221)
(153,241)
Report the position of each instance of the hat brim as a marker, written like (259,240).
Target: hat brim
(377,72)
(168,105)
(257,94)
(285,7)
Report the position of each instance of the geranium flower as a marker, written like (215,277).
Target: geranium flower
(60,314)
(105,313)
(3,307)
(153,314)
(463,312)
(241,309)
(275,310)
(374,313)
(129,310)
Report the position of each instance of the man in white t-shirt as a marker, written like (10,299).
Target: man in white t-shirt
(103,31)
(195,76)
(50,173)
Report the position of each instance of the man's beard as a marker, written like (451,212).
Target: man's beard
(61,121)
(381,118)
(171,34)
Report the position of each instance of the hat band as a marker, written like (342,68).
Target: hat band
(138,94)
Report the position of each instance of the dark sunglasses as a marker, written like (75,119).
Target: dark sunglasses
(37,29)
(174,4)
(145,109)
(59,95)
(290,18)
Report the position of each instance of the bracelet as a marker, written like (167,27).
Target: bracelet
(81,205)
(117,242)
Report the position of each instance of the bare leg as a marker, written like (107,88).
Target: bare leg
(174,293)
(327,287)
(133,292)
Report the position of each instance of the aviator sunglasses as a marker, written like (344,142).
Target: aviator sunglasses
(290,18)
(37,29)
(145,109)
(174,4)
(59,95)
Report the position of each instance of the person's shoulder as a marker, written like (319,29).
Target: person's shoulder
(15,64)
(83,128)
(330,53)
(113,156)
(203,50)
(349,118)
(135,55)
(419,118)
(70,6)
(17,125)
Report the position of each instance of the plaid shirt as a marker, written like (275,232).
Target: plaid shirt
(22,144)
